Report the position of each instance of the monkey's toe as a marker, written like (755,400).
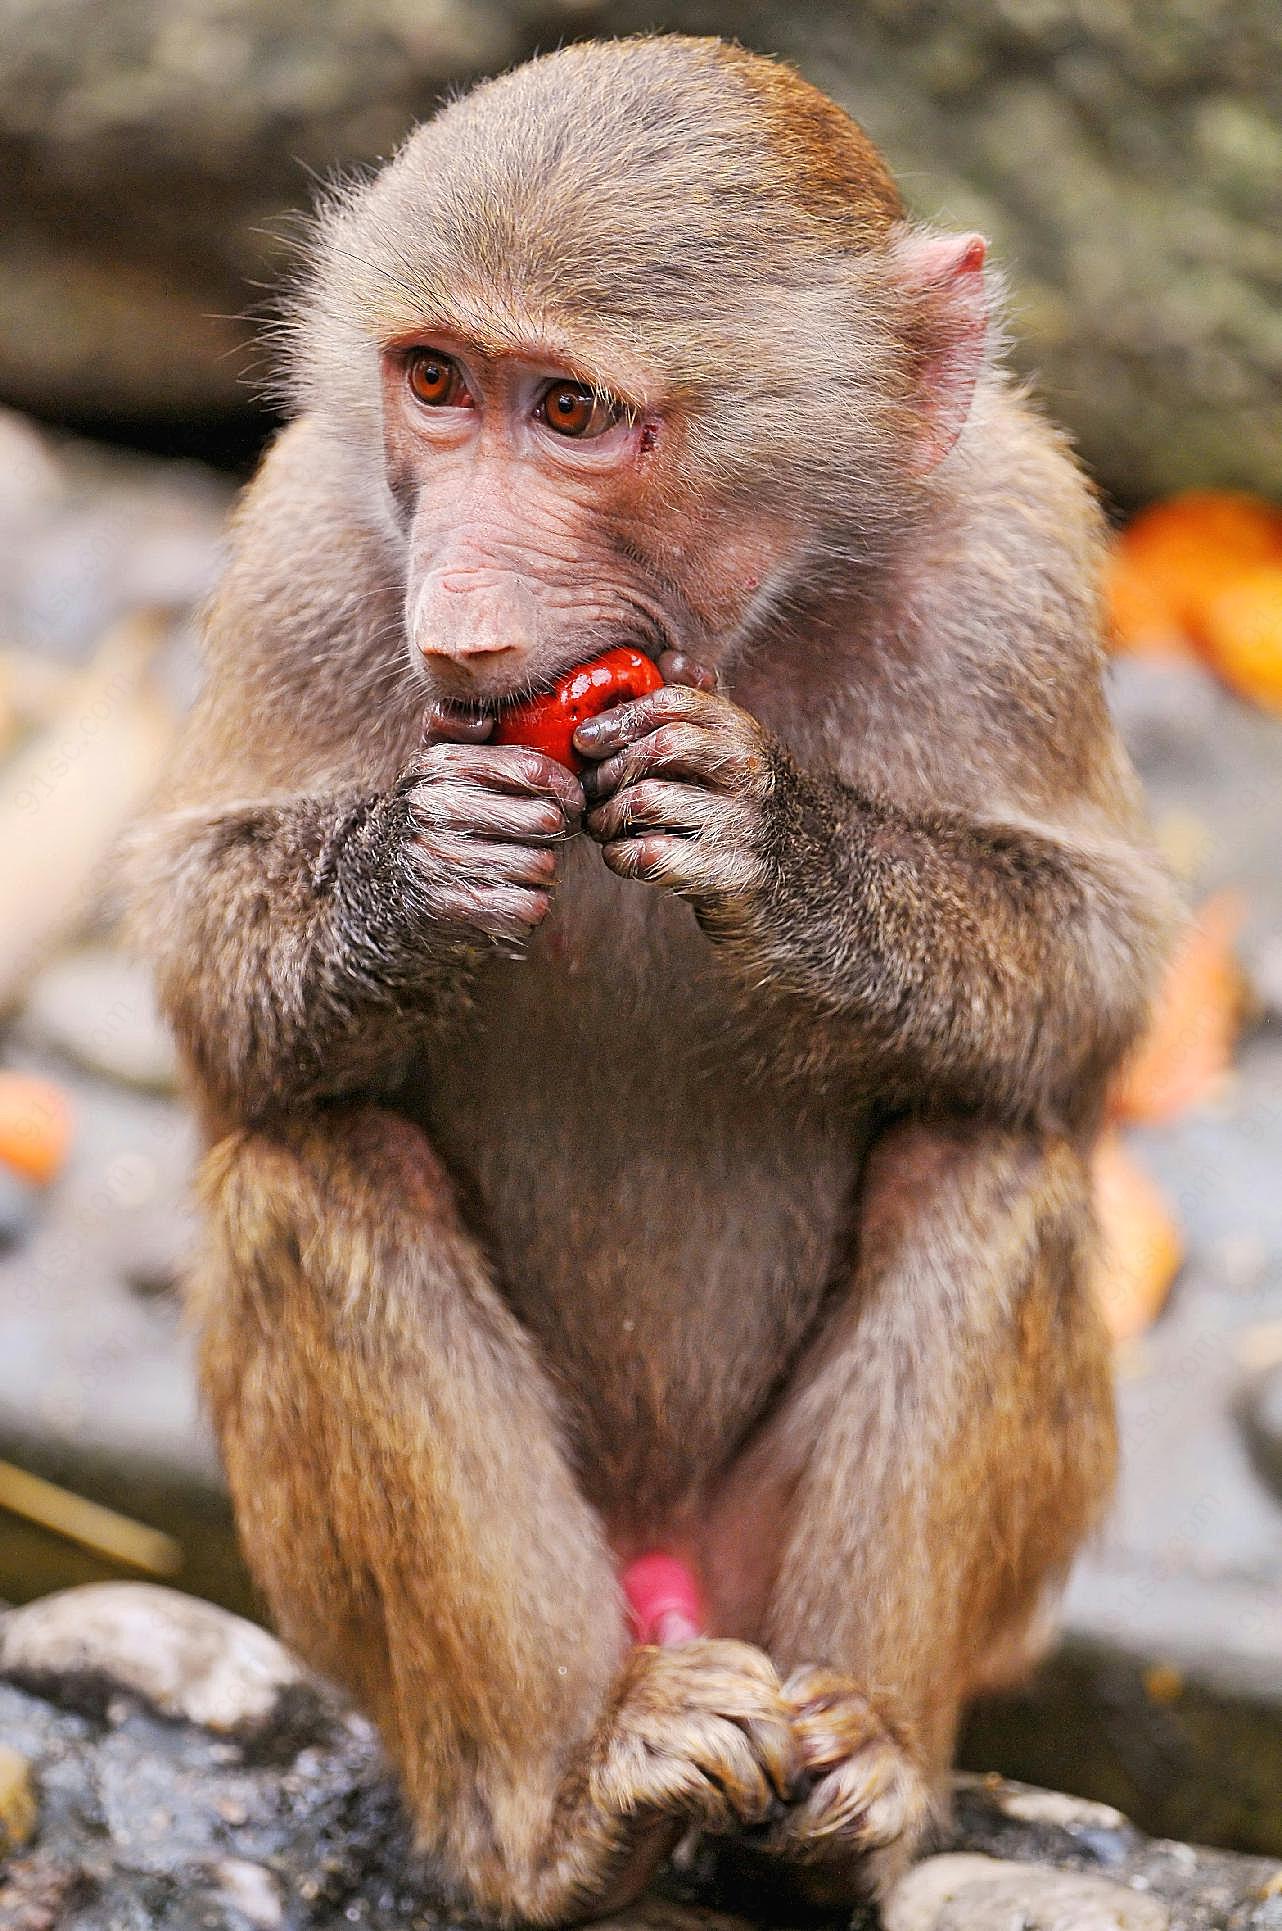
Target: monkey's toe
(868,1792)
(702,1731)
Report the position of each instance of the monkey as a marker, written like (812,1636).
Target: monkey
(688,1154)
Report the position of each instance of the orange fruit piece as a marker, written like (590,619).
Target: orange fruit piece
(1137,612)
(1183,553)
(35,1126)
(1242,633)
(1141,1249)
(1188,1047)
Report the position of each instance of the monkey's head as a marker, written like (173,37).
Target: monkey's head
(631,344)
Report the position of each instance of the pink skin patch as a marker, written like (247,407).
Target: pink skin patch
(663,1599)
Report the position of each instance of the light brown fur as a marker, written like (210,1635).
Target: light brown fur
(744,1212)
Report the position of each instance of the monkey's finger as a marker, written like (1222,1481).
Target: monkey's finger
(671,704)
(464,807)
(457,856)
(505,913)
(685,750)
(509,914)
(658,857)
(710,868)
(504,767)
(654,806)
(447,723)
(676,668)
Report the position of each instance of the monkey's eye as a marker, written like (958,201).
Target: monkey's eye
(574,410)
(436,380)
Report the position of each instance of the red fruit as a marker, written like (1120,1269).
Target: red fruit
(548,723)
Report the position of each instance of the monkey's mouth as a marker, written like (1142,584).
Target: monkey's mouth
(475,708)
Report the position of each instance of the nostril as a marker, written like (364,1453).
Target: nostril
(462,647)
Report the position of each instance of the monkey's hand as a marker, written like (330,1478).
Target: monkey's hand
(679,794)
(485,822)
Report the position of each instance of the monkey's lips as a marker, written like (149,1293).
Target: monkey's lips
(547,723)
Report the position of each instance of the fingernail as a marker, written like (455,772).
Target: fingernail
(596,732)
(677,668)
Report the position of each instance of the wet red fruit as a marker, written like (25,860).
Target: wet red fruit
(548,723)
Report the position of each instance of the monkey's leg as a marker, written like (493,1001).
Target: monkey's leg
(394,1451)
(946,1444)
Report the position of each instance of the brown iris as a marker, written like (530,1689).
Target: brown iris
(573,410)
(436,380)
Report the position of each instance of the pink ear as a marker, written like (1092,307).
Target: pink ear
(944,277)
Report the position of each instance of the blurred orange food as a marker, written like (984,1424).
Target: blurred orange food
(35,1126)
(1188,1047)
(1140,1249)
(1242,632)
(1141,619)
(1175,558)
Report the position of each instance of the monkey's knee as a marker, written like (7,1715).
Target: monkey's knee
(343,1203)
(968,1186)
(359,1163)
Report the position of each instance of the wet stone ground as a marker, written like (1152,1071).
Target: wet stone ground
(180,1775)
(1167,1695)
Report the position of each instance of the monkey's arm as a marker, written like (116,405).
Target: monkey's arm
(287,937)
(994,963)
(300,943)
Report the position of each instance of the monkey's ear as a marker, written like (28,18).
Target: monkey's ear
(943,278)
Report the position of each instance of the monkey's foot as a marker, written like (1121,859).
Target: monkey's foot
(869,1799)
(701,1731)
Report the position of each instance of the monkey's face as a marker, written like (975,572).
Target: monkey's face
(548,517)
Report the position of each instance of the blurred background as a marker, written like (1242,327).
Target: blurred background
(1125,158)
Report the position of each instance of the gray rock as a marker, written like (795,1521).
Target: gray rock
(252,1890)
(97,1007)
(1260,1410)
(19,1206)
(1266,977)
(31,479)
(189,1659)
(87,534)
(963,1892)
(1212,772)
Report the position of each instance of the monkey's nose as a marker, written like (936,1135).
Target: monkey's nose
(464,650)
(464,617)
